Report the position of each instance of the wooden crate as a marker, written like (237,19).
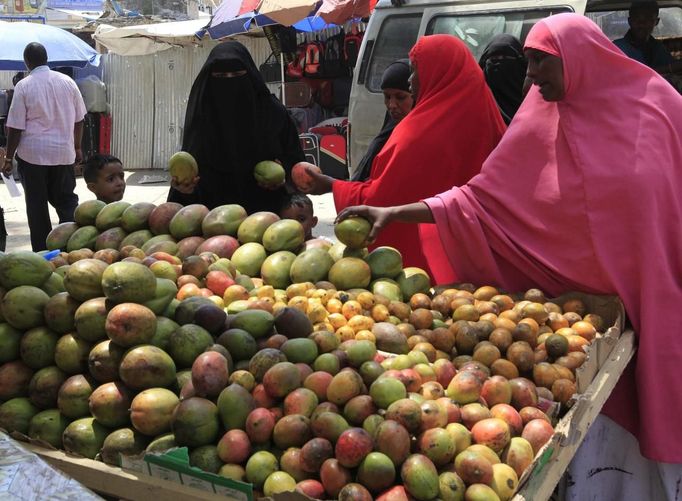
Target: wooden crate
(539,481)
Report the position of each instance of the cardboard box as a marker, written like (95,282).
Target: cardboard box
(152,476)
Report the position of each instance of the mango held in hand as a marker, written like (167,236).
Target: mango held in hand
(300,176)
(183,166)
(353,232)
(269,174)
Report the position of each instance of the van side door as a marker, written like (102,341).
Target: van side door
(390,35)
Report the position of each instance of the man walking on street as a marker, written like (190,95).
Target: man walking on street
(45,128)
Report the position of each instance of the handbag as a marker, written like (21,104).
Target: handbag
(271,69)
(297,94)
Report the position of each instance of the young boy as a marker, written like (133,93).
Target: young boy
(104,177)
(299,207)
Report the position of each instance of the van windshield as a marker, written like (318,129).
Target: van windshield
(477,30)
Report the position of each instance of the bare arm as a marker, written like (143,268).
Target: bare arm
(318,184)
(13,137)
(78,140)
(380,217)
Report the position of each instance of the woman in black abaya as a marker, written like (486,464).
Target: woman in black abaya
(232,123)
(504,67)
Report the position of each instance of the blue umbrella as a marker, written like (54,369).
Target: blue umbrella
(63,48)
(313,23)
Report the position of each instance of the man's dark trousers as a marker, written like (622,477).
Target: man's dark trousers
(42,184)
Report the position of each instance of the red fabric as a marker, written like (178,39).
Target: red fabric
(104,134)
(247,6)
(334,145)
(441,143)
(584,194)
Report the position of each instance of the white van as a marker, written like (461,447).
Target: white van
(393,30)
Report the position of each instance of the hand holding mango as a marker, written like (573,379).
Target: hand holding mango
(303,180)
(184,172)
(269,175)
(354,232)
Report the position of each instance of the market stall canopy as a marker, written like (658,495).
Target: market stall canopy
(234,17)
(63,48)
(88,15)
(340,11)
(287,12)
(143,39)
(229,9)
(85,9)
(219,28)
(222,25)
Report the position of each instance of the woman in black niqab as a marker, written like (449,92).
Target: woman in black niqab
(504,67)
(232,123)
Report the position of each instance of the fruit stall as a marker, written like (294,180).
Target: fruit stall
(181,351)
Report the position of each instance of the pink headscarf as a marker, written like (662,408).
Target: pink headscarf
(584,194)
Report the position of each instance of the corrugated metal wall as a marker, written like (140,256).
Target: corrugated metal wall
(6,79)
(148,96)
(174,74)
(130,94)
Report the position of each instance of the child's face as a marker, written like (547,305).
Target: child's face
(303,215)
(110,184)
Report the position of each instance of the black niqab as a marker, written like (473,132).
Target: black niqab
(505,77)
(231,124)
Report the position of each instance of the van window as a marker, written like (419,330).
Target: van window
(614,24)
(477,30)
(397,36)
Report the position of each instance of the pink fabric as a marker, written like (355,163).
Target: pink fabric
(585,194)
(542,40)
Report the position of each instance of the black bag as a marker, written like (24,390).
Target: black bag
(334,64)
(351,46)
(282,40)
(287,39)
(271,69)
(90,142)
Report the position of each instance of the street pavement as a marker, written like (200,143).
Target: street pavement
(141,186)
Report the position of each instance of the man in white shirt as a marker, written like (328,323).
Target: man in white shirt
(45,129)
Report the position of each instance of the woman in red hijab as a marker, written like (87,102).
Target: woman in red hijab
(442,142)
(583,193)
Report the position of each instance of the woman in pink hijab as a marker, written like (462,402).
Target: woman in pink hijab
(583,193)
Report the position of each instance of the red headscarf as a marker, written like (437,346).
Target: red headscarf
(584,194)
(441,143)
